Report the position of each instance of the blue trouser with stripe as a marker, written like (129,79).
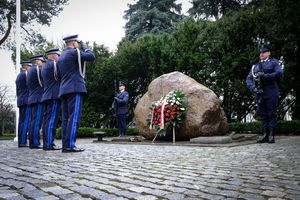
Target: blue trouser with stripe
(71,113)
(122,123)
(50,119)
(35,121)
(24,113)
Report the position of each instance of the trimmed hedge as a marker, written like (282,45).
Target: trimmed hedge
(86,132)
(283,128)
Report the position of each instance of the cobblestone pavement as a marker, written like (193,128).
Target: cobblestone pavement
(146,172)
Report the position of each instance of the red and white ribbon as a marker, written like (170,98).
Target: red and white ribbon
(162,121)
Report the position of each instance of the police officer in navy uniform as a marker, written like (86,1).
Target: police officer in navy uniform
(36,90)
(50,99)
(120,104)
(267,72)
(22,103)
(71,65)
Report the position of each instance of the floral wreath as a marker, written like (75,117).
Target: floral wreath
(168,112)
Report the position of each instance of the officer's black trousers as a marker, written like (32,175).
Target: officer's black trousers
(35,121)
(267,110)
(24,112)
(122,123)
(71,114)
(50,119)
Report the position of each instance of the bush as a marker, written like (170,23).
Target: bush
(86,132)
(284,127)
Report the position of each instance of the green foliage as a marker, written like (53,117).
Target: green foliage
(85,132)
(218,54)
(283,128)
(213,8)
(32,12)
(151,16)
(40,48)
(100,76)
(7,136)
(240,127)
(6,110)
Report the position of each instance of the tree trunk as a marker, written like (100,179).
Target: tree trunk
(9,23)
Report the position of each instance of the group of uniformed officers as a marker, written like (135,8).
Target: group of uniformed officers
(45,87)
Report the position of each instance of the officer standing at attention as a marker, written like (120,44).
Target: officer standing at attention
(71,65)
(266,74)
(120,103)
(35,87)
(50,99)
(22,103)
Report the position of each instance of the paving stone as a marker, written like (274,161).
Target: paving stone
(9,194)
(121,171)
(35,193)
(175,196)
(229,194)
(5,190)
(293,192)
(146,197)
(176,189)
(19,197)
(50,197)
(127,194)
(139,189)
(274,193)
(72,196)
(292,197)
(56,190)
(248,196)
(252,190)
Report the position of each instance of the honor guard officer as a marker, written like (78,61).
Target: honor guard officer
(35,87)
(71,65)
(50,99)
(120,103)
(263,82)
(22,103)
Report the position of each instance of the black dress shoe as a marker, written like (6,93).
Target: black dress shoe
(272,136)
(56,148)
(35,147)
(69,150)
(22,145)
(51,148)
(265,136)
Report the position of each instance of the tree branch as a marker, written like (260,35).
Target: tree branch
(8,16)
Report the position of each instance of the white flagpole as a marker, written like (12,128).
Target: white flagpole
(18,55)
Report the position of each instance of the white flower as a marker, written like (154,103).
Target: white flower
(182,108)
(177,102)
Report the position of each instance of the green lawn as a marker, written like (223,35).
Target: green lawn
(7,136)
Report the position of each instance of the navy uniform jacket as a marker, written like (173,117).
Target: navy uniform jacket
(272,72)
(35,90)
(70,77)
(50,82)
(21,88)
(121,103)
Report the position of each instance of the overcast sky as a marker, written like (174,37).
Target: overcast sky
(94,20)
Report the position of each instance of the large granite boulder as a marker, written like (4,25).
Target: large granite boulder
(205,116)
